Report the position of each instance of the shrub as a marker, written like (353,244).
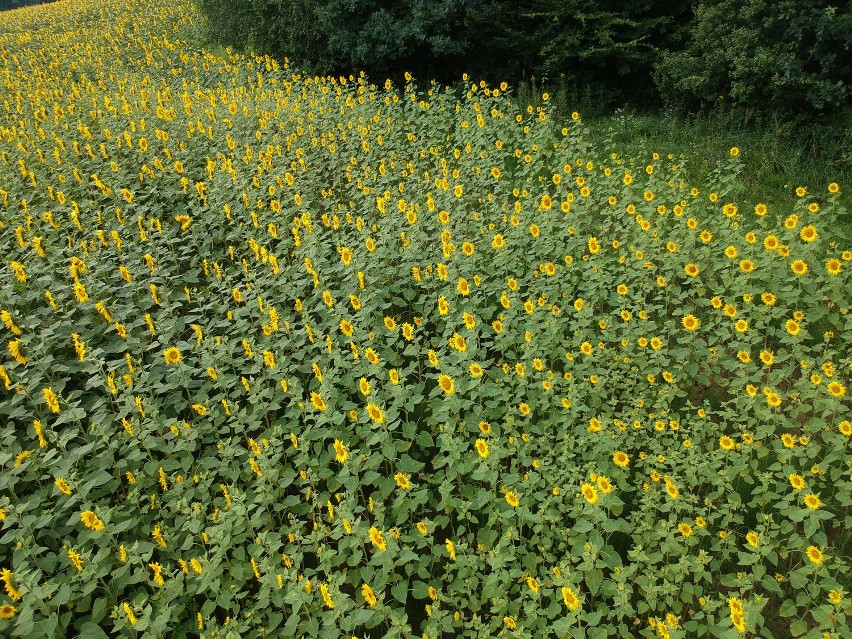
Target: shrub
(785,56)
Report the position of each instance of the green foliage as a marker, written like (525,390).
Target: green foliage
(607,47)
(782,155)
(786,56)
(310,357)
(349,36)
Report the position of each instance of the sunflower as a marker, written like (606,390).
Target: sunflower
(621,459)
(672,490)
(512,499)
(752,539)
(340,452)
(369,595)
(685,529)
(726,442)
(815,555)
(590,494)
(792,327)
(402,481)
(172,355)
(690,322)
(378,538)
(446,384)
(375,413)
(317,401)
(837,389)
(833,267)
(812,501)
(799,267)
(482,447)
(91,520)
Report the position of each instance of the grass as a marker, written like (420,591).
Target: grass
(779,154)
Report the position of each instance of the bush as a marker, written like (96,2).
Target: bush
(772,56)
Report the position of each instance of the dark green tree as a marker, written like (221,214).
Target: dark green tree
(786,56)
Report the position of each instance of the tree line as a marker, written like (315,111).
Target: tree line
(788,56)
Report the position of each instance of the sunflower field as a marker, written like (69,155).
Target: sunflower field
(301,356)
